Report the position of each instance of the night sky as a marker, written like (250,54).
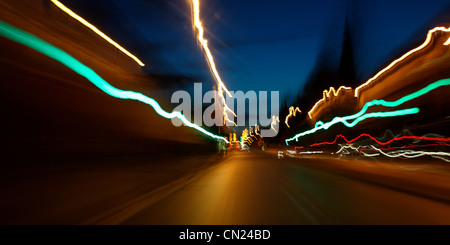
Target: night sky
(261,44)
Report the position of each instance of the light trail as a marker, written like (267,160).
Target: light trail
(204,43)
(280,154)
(245,137)
(343,150)
(209,57)
(442,158)
(345,147)
(407,153)
(411,52)
(401,147)
(401,153)
(361,116)
(294,154)
(57,54)
(292,112)
(274,121)
(250,132)
(448,42)
(379,142)
(225,115)
(310,152)
(298,147)
(326,94)
(256,130)
(321,125)
(97,31)
(390,66)
(239,148)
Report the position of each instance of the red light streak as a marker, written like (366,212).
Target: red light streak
(379,142)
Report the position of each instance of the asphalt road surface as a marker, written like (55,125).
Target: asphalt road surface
(238,189)
(261,189)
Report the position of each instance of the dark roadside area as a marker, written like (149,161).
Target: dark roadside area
(69,151)
(425,177)
(82,189)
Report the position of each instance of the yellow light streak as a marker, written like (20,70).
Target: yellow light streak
(257,129)
(326,94)
(274,121)
(406,55)
(427,41)
(292,112)
(447,42)
(225,117)
(251,132)
(225,106)
(93,28)
(197,24)
(204,43)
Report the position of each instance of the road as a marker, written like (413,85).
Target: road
(72,154)
(238,189)
(257,189)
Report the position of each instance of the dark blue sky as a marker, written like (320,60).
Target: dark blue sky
(273,45)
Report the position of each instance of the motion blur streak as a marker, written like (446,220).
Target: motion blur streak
(401,153)
(427,41)
(93,28)
(274,122)
(442,158)
(292,112)
(204,42)
(399,147)
(321,125)
(447,42)
(210,58)
(310,152)
(45,48)
(407,153)
(256,130)
(345,147)
(379,142)
(360,115)
(326,94)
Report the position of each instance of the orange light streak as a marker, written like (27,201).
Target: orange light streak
(274,121)
(326,94)
(292,112)
(209,57)
(257,129)
(447,42)
(427,41)
(204,43)
(406,55)
(93,28)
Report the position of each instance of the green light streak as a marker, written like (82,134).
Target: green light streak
(356,121)
(53,52)
(361,116)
